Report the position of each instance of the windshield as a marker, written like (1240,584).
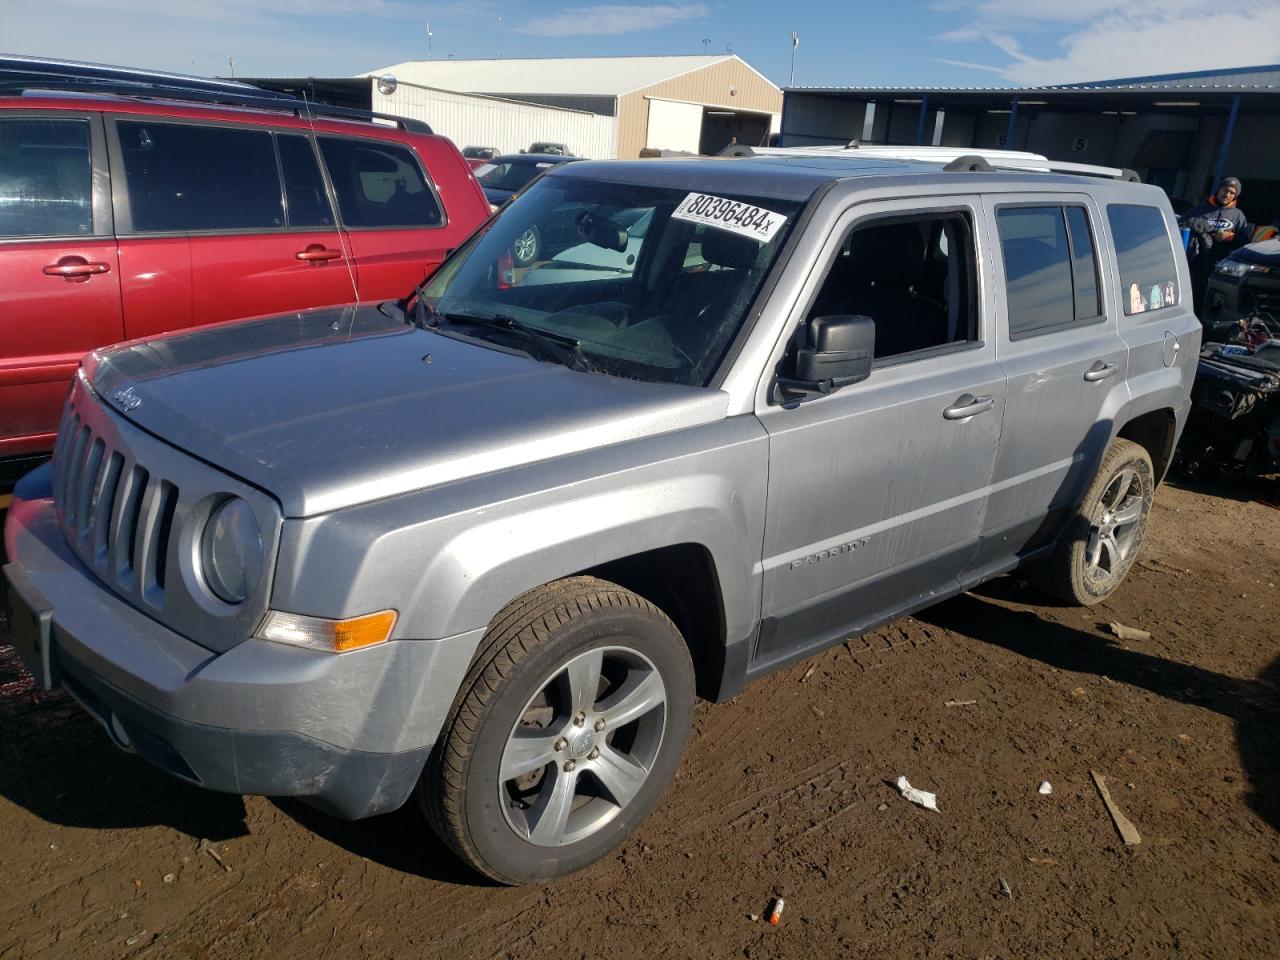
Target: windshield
(509,176)
(650,283)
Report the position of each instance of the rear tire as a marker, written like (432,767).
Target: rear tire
(566,733)
(1105,532)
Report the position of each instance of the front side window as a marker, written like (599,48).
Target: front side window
(1148,278)
(1051,279)
(913,276)
(45,178)
(186,177)
(647,283)
(379,184)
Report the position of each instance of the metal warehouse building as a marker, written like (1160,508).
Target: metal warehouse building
(1180,131)
(605,107)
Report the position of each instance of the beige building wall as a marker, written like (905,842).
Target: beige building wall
(709,86)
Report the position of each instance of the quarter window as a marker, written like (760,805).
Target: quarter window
(913,276)
(1051,273)
(186,177)
(1148,278)
(379,184)
(45,178)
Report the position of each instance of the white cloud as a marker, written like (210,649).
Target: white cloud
(1104,40)
(613,20)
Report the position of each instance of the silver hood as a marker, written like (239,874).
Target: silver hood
(332,407)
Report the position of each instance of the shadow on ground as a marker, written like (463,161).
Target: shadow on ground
(1254,705)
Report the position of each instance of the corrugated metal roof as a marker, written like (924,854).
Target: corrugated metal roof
(598,76)
(1261,79)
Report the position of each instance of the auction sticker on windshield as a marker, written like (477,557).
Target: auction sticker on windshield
(735,216)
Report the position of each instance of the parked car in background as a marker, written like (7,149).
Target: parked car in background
(1244,283)
(503,177)
(542,146)
(295,559)
(124,216)
(479,156)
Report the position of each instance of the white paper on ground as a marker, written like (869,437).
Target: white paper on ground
(1046,788)
(920,798)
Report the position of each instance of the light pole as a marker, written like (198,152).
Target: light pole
(428,39)
(706,44)
(499,38)
(795,42)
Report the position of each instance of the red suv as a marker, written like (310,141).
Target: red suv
(123,216)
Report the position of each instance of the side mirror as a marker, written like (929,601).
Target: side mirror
(836,352)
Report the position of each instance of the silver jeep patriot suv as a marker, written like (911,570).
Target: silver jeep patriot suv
(485,545)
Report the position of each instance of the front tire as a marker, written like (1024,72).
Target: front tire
(1106,530)
(567,732)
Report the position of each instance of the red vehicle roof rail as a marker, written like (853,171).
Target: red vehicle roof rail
(20,75)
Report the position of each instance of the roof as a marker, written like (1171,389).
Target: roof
(799,175)
(1260,79)
(583,76)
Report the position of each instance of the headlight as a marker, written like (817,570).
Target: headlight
(1238,268)
(231,551)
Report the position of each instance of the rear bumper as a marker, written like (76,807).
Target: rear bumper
(348,734)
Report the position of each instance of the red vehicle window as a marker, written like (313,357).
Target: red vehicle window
(45,178)
(379,184)
(186,177)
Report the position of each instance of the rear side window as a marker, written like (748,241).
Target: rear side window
(305,196)
(1148,278)
(1051,274)
(379,184)
(184,177)
(45,178)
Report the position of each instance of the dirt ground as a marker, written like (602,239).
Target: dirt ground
(782,790)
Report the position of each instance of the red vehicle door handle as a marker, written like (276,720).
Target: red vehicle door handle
(75,269)
(317,253)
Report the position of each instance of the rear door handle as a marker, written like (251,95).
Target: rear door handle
(1100,371)
(317,253)
(967,405)
(75,269)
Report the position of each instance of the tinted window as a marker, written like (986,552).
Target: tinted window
(303,186)
(379,184)
(45,178)
(1148,279)
(1037,270)
(913,277)
(1084,267)
(188,177)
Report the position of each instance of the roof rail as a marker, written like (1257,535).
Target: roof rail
(19,75)
(977,162)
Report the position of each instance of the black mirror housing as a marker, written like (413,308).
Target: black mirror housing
(837,352)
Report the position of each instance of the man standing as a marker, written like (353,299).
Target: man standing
(1214,226)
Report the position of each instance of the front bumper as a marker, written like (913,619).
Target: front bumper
(349,733)
(1230,299)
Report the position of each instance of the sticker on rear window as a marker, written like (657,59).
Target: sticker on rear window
(735,216)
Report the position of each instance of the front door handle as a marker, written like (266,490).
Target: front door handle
(75,269)
(1100,371)
(317,253)
(967,405)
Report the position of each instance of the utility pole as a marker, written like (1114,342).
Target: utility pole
(428,39)
(795,42)
(231,61)
(499,38)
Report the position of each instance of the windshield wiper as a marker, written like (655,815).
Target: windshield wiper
(559,347)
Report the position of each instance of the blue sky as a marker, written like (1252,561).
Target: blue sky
(910,42)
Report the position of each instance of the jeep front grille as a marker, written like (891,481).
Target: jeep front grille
(114,512)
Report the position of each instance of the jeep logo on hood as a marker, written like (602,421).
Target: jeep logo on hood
(126,399)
